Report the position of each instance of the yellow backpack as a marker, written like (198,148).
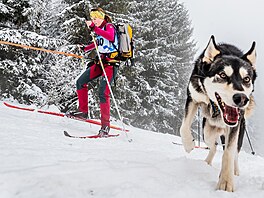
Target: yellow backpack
(125,47)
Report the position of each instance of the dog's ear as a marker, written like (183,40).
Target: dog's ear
(251,55)
(211,51)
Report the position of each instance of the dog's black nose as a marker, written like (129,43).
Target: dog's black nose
(240,99)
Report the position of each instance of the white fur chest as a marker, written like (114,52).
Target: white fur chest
(198,97)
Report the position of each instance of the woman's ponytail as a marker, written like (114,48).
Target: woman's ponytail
(108,18)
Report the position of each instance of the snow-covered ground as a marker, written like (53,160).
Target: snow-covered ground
(37,160)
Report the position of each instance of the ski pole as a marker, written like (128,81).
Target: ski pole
(108,84)
(252,151)
(199,134)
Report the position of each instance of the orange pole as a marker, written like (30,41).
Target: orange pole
(40,49)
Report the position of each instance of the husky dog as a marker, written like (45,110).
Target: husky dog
(221,84)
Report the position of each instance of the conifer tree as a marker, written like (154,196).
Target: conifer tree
(155,88)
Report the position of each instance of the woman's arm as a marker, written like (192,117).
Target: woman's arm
(108,33)
(89,47)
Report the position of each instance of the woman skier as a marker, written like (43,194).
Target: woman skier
(100,24)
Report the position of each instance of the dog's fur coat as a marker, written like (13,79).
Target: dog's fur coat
(221,84)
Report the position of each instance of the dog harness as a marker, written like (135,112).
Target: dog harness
(216,110)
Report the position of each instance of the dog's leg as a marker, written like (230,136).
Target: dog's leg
(211,134)
(236,170)
(226,178)
(240,142)
(185,130)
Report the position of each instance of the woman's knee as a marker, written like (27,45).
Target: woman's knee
(79,84)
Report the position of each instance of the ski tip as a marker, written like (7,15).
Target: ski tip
(66,134)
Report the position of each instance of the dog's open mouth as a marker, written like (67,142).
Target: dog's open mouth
(230,114)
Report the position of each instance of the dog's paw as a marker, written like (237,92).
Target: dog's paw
(188,145)
(236,169)
(187,139)
(208,161)
(225,184)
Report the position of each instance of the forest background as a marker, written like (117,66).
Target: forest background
(151,94)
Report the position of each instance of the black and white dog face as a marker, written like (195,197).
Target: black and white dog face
(230,77)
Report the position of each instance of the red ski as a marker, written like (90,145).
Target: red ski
(20,108)
(201,147)
(89,136)
(97,122)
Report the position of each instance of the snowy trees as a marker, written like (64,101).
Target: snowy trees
(164,52)
(150,94)
(19,68)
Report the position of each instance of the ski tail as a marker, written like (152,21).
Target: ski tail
(91,121)
(20,108)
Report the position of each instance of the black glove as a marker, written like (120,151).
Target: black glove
(82,47)
(90,64)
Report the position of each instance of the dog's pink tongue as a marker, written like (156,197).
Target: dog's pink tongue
(231,113)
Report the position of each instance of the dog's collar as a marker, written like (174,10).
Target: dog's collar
(216,110)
